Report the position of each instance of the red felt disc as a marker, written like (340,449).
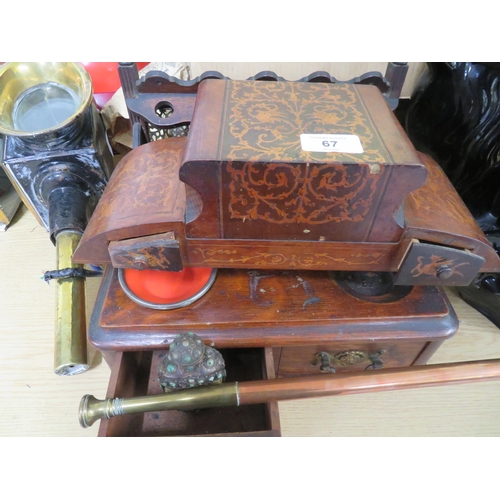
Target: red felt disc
(167,287)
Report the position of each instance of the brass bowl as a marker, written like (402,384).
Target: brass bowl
(27,90)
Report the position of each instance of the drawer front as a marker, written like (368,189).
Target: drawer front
(346,357)
(136,374)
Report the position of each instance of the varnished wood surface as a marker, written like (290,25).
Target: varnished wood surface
(35,402)
(271,309)
(270,188)
(143,197)
(457,229)
(302,360)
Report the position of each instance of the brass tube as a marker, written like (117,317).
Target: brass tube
(263,391)
(92,409)
(70,349)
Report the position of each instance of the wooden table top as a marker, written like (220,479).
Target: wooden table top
(36,402)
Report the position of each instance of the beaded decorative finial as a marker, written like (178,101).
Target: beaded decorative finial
(190,363)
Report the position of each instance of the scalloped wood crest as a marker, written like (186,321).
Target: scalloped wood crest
(161,82)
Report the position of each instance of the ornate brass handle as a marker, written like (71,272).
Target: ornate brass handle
(376,362)
(324,358)
(347,358)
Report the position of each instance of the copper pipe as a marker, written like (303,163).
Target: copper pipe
(262,391)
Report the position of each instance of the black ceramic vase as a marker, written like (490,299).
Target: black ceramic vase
(454,116)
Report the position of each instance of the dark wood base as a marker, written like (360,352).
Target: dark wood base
(281,324)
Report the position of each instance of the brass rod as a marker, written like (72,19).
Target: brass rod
(70,348)
(262,391)
(92,409)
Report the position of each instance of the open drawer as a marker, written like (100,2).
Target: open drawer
(135,374)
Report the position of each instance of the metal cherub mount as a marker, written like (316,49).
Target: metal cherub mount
(190,363)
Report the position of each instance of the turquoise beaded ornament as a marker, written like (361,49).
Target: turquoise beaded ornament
(190,363)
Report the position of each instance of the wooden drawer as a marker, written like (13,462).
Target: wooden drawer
(350,356)
(135,374)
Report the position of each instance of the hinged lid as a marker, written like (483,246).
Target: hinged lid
(298,161)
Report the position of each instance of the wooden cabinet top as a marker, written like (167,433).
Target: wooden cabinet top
(256,121)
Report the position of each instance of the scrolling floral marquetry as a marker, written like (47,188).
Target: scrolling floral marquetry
(143,187)
(248,188)
(242,258)
(438,191)
(311,194)
(264,180)
(163,194)
(265,121)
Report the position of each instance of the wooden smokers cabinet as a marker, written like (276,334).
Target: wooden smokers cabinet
(253,187)
(329,258)
(287,331)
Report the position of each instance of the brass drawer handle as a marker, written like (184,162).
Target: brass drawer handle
(376,362)
(348,358)
(324,359)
